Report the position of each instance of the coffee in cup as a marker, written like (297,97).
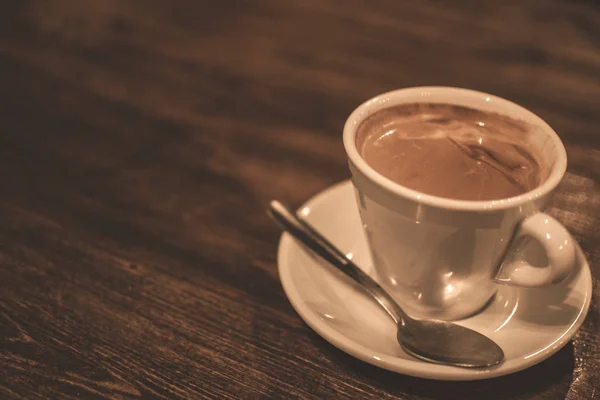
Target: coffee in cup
(451,151)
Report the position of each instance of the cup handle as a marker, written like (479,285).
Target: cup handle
(560,252)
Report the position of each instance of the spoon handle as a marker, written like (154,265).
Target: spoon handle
(311,238)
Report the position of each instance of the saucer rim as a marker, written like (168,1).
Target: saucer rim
(415,368)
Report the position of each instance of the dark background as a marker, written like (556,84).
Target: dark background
(140,141)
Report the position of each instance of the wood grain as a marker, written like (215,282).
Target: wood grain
(141,139)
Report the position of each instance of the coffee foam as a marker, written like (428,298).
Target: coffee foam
(451,151)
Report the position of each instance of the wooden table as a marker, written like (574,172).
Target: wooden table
(141,140)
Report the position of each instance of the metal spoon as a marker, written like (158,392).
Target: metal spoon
(434,341)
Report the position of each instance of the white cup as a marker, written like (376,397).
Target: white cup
(443,258)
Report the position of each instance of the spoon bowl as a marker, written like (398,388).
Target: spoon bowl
(443,342)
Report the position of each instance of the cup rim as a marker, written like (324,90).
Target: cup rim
(428,93)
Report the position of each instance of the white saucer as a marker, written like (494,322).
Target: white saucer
(529,324)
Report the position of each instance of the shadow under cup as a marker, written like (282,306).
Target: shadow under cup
(436,256)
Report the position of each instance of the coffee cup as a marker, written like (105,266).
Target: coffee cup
(443,257)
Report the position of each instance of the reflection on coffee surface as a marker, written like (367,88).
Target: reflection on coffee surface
(451,151)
